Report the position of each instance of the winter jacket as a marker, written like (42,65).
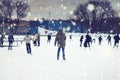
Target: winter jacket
(10,38)
(60,39)
(27,39)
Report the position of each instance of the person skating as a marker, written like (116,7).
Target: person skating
(81,40)
(100,39)
(109,39)
(10,40)
(35,39)
(38,39)
(88,40)
(70,37)
(49,38)
(116,40)
(28,39)
(61,41)
(2,39)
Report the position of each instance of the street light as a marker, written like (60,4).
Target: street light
(90,7)
(3,22)
(49,19)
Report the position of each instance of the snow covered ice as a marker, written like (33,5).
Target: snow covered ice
(97,63)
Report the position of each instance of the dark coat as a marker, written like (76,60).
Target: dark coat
(60,39)
(10,38)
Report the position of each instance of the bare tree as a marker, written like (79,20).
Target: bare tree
(7,8)
(102,10)
(10,7)
(22,9)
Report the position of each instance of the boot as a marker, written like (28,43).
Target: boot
(64,58)
(57,57)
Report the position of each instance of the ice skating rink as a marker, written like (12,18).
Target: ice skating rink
(95,63)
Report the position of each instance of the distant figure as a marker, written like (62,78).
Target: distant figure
(38,39)
(100,39)
(81,40)
(109,39)
(93,41)
(116,40)
(70,37)
(35,39)
(27,39)
(61,41)
(88,40)
(10,40)
(2,39)
(49,38)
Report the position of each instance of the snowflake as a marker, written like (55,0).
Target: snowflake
(118,4)
(53,22)
(118,23)
(107,9)
(105,21)
(25,1)
(35,18)
(73,23)
(18,4)
(68,28)
(71,12)
(111,31)
(41,20)
(29,14)
(41,8)
(64,29)
(63,7)
(82,20)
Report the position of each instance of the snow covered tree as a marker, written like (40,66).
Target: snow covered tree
(22,9)
(6,8)
(10,9)
(94,12)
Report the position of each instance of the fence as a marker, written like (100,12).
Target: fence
(16,42)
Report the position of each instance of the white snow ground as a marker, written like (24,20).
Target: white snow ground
(97,63)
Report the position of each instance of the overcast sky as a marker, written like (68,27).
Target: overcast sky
(58,9)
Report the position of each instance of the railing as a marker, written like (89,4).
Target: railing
(16,42)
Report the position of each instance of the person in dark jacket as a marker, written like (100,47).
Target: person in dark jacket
(81,40)
(2,39)
(109,39)
(49,38)
(88,40)
(116,40)
(61,42)
(10,40)
(100,39)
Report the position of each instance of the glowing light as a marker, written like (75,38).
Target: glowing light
(90,7)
